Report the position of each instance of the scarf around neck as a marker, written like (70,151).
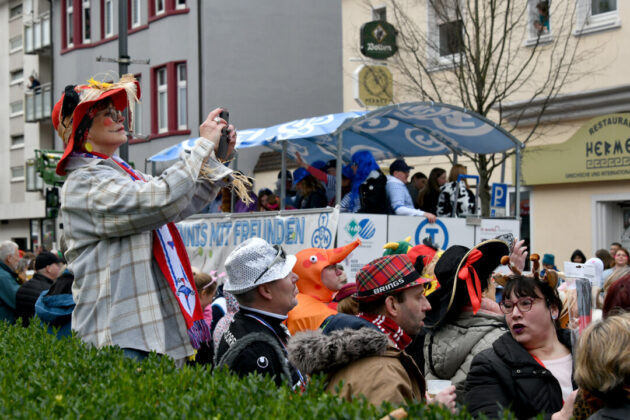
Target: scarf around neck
(388,326)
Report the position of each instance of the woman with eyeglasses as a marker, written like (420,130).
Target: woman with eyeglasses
(529,369)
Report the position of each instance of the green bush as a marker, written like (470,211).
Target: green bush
(43,377)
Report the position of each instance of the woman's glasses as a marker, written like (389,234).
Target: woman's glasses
(112,113)
(524,305)
(280,256)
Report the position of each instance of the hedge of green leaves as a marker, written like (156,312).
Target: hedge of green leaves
(43,377)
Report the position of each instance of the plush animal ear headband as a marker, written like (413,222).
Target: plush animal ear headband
(550,277)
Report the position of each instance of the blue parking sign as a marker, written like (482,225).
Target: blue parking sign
(499,195)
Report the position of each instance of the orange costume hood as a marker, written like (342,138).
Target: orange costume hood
(313,297)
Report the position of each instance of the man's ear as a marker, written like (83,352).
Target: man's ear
(265,291)
(391,306)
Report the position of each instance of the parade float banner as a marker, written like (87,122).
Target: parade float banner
(371,229)
(598,151)
(209,240)
(491,228)
(444,232)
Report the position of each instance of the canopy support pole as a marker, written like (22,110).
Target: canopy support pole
(283,176)
(503,169)
(338,169)
(517,205)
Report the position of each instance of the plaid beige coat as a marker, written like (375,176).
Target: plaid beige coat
(122,297)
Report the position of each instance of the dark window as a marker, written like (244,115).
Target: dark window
(451,37)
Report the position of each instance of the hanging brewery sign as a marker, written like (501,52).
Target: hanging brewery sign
(374,85)
(378,40)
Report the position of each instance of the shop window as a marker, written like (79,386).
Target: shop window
(596,15)
(445,33)
(161,8)
(67,24)
(182,113)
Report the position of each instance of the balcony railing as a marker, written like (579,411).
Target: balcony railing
(38,103)
(36,33)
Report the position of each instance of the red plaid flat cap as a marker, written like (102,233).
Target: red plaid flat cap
(387,275)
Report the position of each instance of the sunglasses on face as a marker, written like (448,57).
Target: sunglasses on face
(112,113)
(524,305)
(280,257)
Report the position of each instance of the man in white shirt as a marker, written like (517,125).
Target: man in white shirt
(397,193)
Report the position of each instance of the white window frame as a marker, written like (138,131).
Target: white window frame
(159,11)
(587,23)
(15,141)
(17,15)
(108,19)
(162,94)
(532,35)
(378,12)
(437,61)
(18,113)
(14,40)
(16,81)
(182,96)
(69,24)
(180,4)
(136,19)
(86,33)
(18,177)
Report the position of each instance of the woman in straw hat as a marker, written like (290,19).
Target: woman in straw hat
(133,283)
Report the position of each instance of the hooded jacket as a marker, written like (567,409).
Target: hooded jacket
(313,297)
(449,350)
(364,359)
(27,295)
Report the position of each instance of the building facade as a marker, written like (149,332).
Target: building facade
(266,62)
(583,199)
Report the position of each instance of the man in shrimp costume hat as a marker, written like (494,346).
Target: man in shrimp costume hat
(321,276)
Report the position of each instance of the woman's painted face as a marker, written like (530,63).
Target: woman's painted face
(107,128)
(621,258)
(442,179)
(534,327)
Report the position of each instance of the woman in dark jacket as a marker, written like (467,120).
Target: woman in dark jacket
(310,192)
(428,196)
(528,370)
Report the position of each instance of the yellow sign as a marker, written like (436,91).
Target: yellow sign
(599,151)
(375,86)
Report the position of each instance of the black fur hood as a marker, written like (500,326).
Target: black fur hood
(313,352)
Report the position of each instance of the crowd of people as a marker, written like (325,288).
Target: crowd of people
(417,324)
(364,189)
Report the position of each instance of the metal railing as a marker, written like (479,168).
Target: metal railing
(38,103)
(36,33)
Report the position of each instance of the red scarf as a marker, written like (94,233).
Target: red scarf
(388,326)
(170,253)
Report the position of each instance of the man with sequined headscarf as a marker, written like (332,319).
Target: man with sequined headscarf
(133,282)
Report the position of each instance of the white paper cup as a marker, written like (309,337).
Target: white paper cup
(435,386)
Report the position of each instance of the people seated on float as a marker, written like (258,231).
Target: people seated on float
(397,193)
(429,195)
(367,191)
(415,185)
(290,192)
(456,199)
(310,192)
(326,174)
(267,200)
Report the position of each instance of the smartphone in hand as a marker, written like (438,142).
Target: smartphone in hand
(224,141)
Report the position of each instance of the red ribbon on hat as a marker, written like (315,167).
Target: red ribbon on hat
(467,273)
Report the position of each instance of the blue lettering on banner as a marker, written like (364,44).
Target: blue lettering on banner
(436,231)
(322,237)
(275,231)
